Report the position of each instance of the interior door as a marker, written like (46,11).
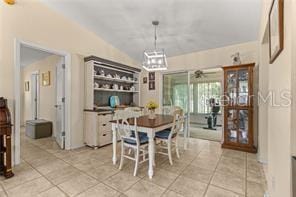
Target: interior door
(60,104)
(176,93)
(35,95)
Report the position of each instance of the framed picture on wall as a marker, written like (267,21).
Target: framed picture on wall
(144,80)
(276,29)
(46,78)
(151,85)
(152,76)
(27,86)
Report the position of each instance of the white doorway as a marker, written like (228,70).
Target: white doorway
(61,105)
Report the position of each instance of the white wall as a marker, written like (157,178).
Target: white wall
(34,22)
(47,93)
(279,120)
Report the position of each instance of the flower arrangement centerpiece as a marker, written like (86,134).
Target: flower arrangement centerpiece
(151,106)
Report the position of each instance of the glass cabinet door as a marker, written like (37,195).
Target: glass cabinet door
(243,126)
(243,89)
(231,133)
(231,87)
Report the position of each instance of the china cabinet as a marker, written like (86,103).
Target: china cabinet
(238,108)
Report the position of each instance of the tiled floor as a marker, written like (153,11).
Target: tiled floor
(203,170)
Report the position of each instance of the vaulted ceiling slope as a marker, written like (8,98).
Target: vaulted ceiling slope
(185,25)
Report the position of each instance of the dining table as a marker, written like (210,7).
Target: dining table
(145,125)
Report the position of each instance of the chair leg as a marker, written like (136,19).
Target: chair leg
(121,157)
(170,152)
(137,161)
(177,149)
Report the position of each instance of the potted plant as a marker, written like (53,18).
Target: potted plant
(151,106)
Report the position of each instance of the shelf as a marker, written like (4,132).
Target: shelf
(114,79)
(112,90)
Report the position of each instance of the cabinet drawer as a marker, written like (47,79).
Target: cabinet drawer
(104,119)
(105,127)
(105,138)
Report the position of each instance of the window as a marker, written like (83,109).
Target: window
(200,95)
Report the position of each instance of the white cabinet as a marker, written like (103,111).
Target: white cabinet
(97,128)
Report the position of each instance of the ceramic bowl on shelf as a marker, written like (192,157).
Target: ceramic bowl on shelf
(117,76)
(115,86)
(96,85)
(123,78)
(109,76)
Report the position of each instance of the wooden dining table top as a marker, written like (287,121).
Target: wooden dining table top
(144,121)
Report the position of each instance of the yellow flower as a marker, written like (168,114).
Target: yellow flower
(152,105)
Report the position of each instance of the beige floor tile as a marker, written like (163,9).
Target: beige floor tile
(77,185)
(206,162)
(162,178)
(62,175)
(219,192)
(145,189)
(101,190)
(122,181)
(234,154)
(23,173)
(188,187)
(103,172)
(177,166)
(31,188)
(89,164)
(170,193)
(198,174)
(255,189)
(52,166)
(53,192)
(3,194)
(257,177)
(229,182)
(232,165)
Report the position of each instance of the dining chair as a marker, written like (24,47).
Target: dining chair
(131,139)
(168,138)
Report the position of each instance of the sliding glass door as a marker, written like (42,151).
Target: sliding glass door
(176,93)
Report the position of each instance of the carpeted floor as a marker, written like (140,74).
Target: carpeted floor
(200,133)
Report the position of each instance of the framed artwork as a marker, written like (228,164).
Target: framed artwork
(151,85)
(151,76)
(46,78)
(276,29)
(144,80)
(27,86)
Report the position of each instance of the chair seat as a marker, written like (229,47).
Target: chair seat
(164,134)
(143,138)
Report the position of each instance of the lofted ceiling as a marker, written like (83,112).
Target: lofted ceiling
(30,55)
(185,25)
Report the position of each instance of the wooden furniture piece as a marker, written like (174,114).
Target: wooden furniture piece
(238,108)
(131,139)
(105,78)
(167,139)
(5,139)
(145,125)
(97,128)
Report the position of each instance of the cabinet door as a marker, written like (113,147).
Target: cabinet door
(232,126)
(231,87)
(243,126)
(243,87)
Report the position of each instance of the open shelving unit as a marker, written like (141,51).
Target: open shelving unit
(105,78)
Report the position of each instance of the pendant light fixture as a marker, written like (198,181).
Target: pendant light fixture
(155,60)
